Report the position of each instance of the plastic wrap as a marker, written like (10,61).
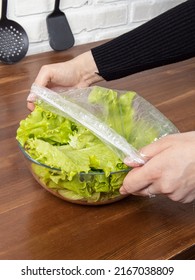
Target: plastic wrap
(121,119)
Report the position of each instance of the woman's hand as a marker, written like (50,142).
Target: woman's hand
(79,72)
(170,169)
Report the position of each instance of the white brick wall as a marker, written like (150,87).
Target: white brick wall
(90,20)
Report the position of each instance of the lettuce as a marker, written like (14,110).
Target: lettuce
(45,125)
(73,161)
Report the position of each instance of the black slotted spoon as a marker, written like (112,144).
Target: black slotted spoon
(13,39)
(60,34)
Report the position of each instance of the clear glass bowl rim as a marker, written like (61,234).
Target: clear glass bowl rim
(57,169)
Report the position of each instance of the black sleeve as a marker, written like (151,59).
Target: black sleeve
(168,38)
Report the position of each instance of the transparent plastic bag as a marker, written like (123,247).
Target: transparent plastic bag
(121,119)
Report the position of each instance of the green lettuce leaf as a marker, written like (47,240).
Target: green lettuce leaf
(117,110)
(45,125)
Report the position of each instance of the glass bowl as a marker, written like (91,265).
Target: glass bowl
(55,181)
(126,112)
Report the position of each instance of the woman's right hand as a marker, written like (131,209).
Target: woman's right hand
(78,72)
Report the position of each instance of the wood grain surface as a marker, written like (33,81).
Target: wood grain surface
(34,224)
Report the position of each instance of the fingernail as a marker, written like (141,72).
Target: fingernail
(122,191)
(31,97)
(145,157)
(128,161)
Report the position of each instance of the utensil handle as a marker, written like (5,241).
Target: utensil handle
(4,9)
(57,4)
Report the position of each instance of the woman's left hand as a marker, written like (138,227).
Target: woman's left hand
(170,169)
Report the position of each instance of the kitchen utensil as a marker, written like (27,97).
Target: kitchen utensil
(13,39)
(60,34)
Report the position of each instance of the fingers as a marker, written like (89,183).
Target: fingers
(136,181)
(159,145)
(43,79)
(31,97)
(141,177)
(170,170)
(152,149)
(44,76)
(30,106)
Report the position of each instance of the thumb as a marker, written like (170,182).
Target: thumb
(157,147)
(152,149)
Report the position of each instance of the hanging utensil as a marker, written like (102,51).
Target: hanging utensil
(60,34)
(13,39)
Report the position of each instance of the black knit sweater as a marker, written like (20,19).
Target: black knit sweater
(168,38)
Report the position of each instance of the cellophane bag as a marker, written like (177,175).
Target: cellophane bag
(123,120)
(75,140)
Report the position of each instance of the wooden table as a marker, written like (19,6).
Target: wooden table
(34,224)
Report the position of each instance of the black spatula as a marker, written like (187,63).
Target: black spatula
(60,34)
(13,39)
